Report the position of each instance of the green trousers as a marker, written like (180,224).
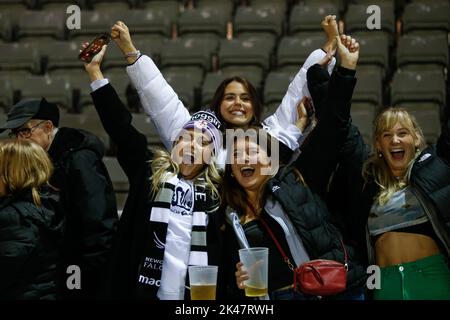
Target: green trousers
(424,279)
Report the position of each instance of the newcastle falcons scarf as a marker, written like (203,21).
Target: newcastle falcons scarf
(150,267)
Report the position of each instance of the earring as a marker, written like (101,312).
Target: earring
(380,155)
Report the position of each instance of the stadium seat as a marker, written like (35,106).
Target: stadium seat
(59,54)
(245,52)
(428,117)
(49,24)
(276,86)
(356,18)
(224,6)
(254,74)
(144,125)
(369,85)
(188,51)
(307,17)
(363,115)
(61,4)
(212,81)
(8,22)
(120,81)
(414,86)
(23,56)
(203,20)
(117,5)
(16,4)
(186,82)
(55,89)
(429,15)
(293,50)
(88,120)
(259,18)
(374,49)
(423,48)
(339,4)
(118,177)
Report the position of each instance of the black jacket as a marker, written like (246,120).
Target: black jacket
(29,253)
(89,205)
(133,156)
(311,219)
(350,197)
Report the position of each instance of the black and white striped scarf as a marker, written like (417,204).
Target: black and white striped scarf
(150,268)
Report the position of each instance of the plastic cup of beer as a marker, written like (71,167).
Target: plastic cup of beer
(256,263)
(203,281)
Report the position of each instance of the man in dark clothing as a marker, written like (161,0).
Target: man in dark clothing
(87,195)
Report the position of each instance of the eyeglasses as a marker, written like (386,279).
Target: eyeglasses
(24,132)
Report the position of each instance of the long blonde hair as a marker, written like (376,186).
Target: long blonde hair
(376,167)
(24,164)
(162,164)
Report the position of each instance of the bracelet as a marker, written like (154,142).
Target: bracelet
(135,54)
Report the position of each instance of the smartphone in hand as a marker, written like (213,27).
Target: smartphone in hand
(94,47)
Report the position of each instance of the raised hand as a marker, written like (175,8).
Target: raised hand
(93,67)
(121,36)
(348,51)
(330,27)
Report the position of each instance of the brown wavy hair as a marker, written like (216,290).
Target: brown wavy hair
(220,92)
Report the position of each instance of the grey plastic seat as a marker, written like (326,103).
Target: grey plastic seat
(276,86)
(259,18)
(61,4)
(339,4)
(9,18)
(428,117)
(423,48)
(429,15)
(369,87)
(50,24)
(88,120)
(185,82)
(307,17)
(203,20)
(212,81)
(356,18)
(363,115)
(188,51)
(19,56)
(294,50)
(59,54)
(418,86)
(117,5)
(120,81)
(54,89)
(254,74)
(224,6)
(245,52)
(374,49)
(144,125)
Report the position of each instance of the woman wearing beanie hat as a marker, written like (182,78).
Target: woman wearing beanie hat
(170,218)
(235,101)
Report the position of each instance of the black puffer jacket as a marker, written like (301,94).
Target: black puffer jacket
(89,208)
(310,217)
(29,238)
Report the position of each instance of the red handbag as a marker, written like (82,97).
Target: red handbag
(317,277)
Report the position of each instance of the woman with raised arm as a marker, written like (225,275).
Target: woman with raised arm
(235,102)
(394,202)
(170,219)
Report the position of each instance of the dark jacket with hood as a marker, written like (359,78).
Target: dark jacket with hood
(133,233)
(89,206)
(29,253)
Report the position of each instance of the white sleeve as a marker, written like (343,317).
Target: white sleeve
(97,84)
(158,99)
(282,122)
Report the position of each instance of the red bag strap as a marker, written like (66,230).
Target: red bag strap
(285,257)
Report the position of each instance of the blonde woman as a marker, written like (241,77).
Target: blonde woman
(401,199)
(170,219)
(28,228)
